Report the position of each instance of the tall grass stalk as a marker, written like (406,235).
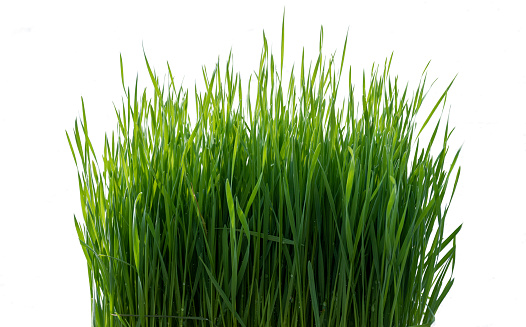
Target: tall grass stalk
(283,209)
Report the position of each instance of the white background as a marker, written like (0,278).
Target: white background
(53,53)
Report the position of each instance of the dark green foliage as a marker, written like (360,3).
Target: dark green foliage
(282,210)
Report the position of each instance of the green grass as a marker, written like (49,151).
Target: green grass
(283,209)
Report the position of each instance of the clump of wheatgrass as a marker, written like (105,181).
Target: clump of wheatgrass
(286,209)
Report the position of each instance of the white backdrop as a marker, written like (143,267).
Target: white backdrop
(52,53)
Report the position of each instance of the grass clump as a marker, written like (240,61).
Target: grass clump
(286,209)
